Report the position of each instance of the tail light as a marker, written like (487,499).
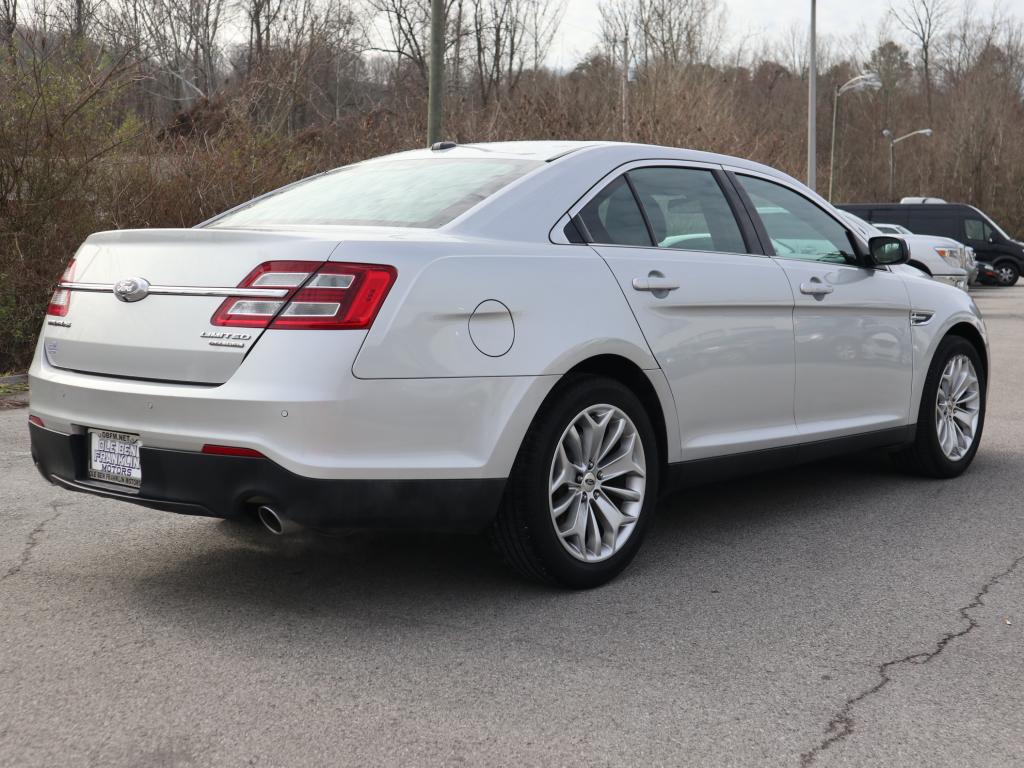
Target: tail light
(337,295)
(61,299)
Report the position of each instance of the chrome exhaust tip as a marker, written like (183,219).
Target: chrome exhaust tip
(275,523)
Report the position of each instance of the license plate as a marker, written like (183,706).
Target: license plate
(114,457)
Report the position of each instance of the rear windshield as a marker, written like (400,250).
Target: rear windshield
(393,193)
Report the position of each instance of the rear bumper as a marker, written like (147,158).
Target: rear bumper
(294,400)
(193,483)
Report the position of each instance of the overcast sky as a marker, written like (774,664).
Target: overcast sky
(761,18)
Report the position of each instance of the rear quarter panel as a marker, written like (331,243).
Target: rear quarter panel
(565,305)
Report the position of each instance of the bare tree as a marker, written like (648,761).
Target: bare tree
(507,35)
(923,20)
(406,34)
(77,16)
(408,25)
(263,16)
(8,23)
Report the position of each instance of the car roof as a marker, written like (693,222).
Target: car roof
(543,151)
(904,206)
(549,151)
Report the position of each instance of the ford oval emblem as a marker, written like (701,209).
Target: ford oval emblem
(132,289)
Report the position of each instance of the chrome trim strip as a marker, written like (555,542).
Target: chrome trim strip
(185,290)
(95,287)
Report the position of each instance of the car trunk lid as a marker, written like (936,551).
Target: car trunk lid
(167,335)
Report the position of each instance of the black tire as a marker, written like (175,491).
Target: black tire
(524,532)
(924,456)
(1007,273)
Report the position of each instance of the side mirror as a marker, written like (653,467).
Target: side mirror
(885,250)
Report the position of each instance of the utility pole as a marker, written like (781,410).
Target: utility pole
(812,102)
(892,170)
(832,151)
(625,87)
(435,94)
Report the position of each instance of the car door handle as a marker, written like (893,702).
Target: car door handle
(815,287)
(654,284)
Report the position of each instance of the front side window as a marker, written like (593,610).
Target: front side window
(797,228)
(613,217)
(687,209)
(427,192)
(977,230)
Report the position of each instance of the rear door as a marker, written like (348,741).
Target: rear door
(717,314)
(168,334)
(854,354)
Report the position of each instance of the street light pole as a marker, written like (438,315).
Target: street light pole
(859,83)
(892,154)
(812,102)
(435,103)
(832,152)
(892,170)
(625,86)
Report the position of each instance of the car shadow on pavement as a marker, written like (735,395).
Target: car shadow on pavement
(236,569)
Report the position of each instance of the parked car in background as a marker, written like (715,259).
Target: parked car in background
(940,258)
(963,223)
(971,265)
(968,261)
(891,229)
(987,274)
(535,338)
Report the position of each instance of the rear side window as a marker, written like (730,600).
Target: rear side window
(943,224)
(687,209)
(614,217)
(886,215)
(427,192)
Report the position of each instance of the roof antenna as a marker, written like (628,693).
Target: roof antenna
(439,145)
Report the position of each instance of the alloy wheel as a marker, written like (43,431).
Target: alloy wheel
(1007,275)
(957,407)
(597,483)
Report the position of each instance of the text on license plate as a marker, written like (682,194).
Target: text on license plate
(114,457)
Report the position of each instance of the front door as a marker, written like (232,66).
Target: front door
(851,324)
(981,237)
(717,317)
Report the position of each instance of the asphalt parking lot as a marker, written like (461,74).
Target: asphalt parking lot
(837,614)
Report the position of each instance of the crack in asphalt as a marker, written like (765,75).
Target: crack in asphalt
(32,541)
(841,726)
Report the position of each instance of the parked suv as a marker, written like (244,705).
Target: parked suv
(964,223)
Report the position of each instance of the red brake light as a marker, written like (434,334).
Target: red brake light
(335,296)
(33,419)
(339,296)
(61,299)
(231,450)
